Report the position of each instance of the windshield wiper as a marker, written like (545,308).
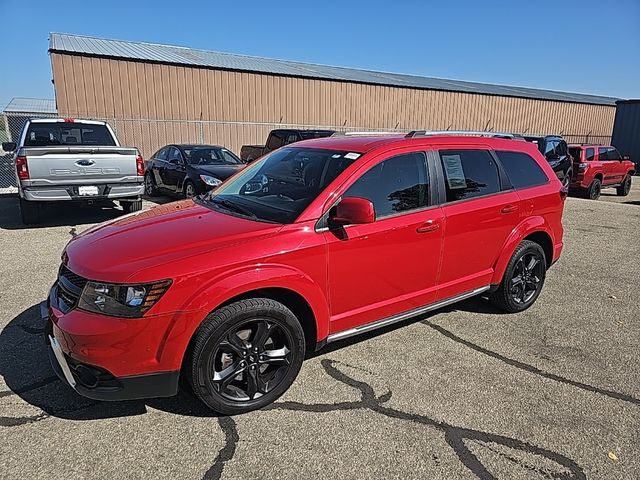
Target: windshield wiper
(234,207)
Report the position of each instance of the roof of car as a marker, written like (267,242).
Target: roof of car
(366,143)
(586,145)
(193,145)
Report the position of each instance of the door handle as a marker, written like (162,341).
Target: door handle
(509,209)
(428,226)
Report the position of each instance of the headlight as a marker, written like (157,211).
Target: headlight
(211,181)
(129,301)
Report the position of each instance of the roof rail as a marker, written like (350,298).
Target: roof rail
(468,133)
(355,134)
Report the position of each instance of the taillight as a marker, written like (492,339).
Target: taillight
(22,168)
(140,165)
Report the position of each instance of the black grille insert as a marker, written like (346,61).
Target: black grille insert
(70,287)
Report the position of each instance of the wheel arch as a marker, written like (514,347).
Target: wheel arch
(535,229)
(278,282)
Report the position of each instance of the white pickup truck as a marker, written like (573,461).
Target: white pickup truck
(74,160)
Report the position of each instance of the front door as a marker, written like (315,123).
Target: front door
(389,266)
(175,171)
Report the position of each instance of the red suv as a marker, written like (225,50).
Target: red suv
(596,167)
(313,243)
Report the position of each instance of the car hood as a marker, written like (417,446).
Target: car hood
(116,250)
(221,172)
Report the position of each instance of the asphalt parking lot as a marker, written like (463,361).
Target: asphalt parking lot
(553,392)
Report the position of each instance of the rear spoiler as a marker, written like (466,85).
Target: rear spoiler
(80,149)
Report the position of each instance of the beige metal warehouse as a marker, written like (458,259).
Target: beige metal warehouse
(158,94)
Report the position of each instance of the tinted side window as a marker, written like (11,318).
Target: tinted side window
(522,170)
(469,173)
(549,148)
(162,154)
(613,154)
(561,148)
(398,184)
(591,153)
(174,155)
(602,154)
(276,140)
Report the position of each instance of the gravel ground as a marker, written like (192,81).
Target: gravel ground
(553,392)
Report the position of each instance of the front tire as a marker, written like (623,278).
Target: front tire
(625,187)
(189,189)
(29,211)
(245,355)
(523,279)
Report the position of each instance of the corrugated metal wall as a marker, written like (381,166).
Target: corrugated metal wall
(240,108)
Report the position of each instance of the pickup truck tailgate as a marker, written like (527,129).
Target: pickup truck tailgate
(76,165)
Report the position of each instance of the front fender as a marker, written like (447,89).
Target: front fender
(524,229)
(220,289)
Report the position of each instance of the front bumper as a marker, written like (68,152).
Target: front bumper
(58,193)
(93,381)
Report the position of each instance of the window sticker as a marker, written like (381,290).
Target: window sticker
(352,155)
(455,173)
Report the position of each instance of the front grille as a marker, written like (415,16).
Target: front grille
(76,280)
(70,287)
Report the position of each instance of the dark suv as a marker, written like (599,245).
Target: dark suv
(555,150)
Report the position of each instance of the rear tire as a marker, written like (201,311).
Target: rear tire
(625,187)
(29,211)
(595,189)
(133,206)
(150,187)
(245,355)
(523,279)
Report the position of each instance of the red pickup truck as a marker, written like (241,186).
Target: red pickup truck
(596,167)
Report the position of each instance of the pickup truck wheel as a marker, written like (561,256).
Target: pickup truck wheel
(150,186)
(245,355)
(594,189)
(29,211)
(523,279)
(625,186)
(131,206)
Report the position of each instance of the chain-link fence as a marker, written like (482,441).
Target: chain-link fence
(148,135)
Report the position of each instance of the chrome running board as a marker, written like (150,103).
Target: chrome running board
(403,316)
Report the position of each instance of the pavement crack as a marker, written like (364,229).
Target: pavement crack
(530,368)
(226,453)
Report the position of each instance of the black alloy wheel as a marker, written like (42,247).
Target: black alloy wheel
(595,189)
(245,355)
(251,360)
(624,189)
(523,278)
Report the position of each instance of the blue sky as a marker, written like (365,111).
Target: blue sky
(578,46)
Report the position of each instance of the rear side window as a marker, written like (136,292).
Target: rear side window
(591,153)
(162,154)
(398,184)
(602,154)
(65,133)
(469,173)
(522,170)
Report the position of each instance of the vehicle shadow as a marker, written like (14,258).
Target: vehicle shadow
(64,214)
(25,367)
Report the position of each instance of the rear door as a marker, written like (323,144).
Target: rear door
(159,165)
(480,209)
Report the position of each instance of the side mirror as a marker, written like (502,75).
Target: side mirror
(352,211)
(9,146)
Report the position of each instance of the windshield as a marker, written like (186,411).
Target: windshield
(67,133)
(210,156)
(278,187)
